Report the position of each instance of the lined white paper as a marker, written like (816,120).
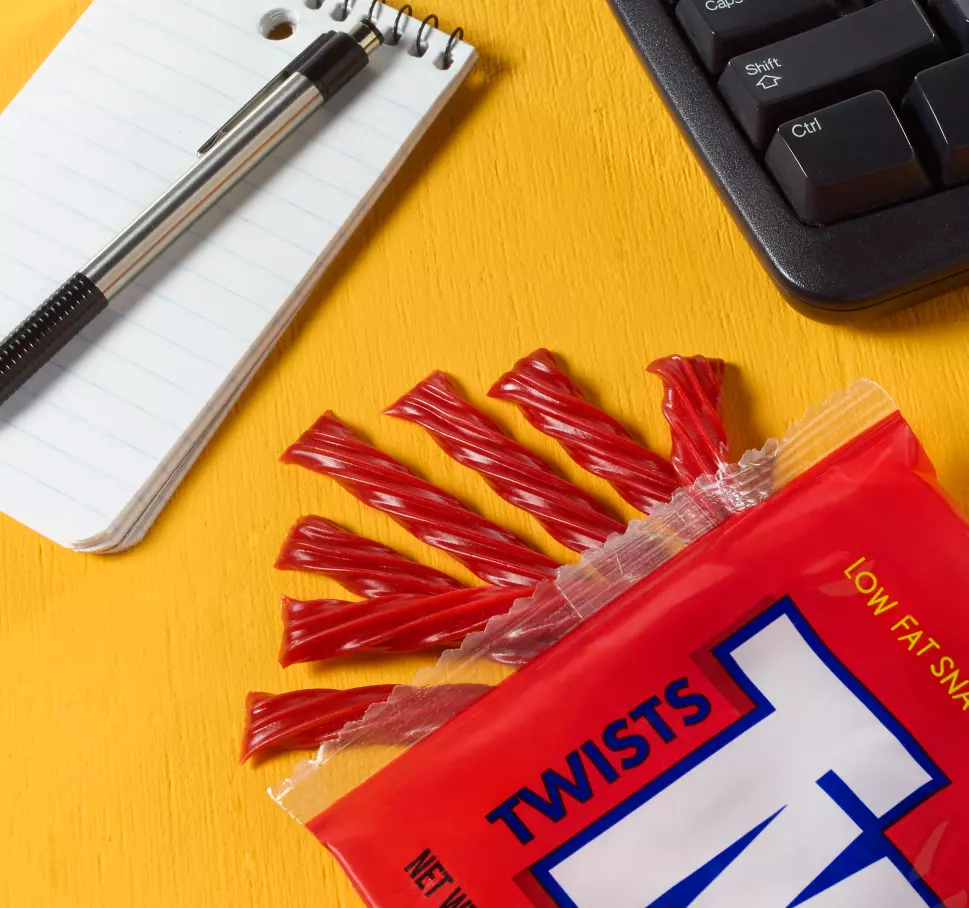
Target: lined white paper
(95,444)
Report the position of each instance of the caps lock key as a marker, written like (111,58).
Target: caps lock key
(846,160)
(721,29)
(879,48)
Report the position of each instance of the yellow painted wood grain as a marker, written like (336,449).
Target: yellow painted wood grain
(552,205)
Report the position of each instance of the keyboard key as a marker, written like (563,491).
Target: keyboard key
(938,107)
(954,16)
(846,160)
(721,29)
(880,48)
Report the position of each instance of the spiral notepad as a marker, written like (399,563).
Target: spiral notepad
(94,445)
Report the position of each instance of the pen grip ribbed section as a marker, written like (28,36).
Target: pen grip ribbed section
(46,331)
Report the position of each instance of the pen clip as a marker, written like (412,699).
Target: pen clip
(263,93)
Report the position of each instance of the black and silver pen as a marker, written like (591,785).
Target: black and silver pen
(301,89)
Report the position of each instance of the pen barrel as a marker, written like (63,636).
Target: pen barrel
(235,150)
(202,187)
(46,331)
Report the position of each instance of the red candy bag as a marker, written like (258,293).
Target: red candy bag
(758,697)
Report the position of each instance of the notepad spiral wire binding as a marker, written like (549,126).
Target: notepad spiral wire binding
(343,7)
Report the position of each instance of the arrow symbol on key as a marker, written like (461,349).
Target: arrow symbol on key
(768,82)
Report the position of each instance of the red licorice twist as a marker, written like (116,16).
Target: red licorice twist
(362,566)
(303,719)
(554,405)
(409,607)
(307,719)
(491,552)
(569,514)
(693,406)
(322,629)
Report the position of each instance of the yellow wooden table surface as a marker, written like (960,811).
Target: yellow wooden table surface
(553,205)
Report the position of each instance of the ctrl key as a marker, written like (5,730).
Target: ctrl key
(846,160)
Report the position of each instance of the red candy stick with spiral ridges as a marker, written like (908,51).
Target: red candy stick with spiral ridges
(555,405)
(693,407)
(306,719)
(434,516)
(569,514)
(360,565)
(406,622)
(322,629)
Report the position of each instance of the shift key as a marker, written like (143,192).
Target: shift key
(879,48)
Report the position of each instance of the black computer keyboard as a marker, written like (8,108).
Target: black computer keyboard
(837,132)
